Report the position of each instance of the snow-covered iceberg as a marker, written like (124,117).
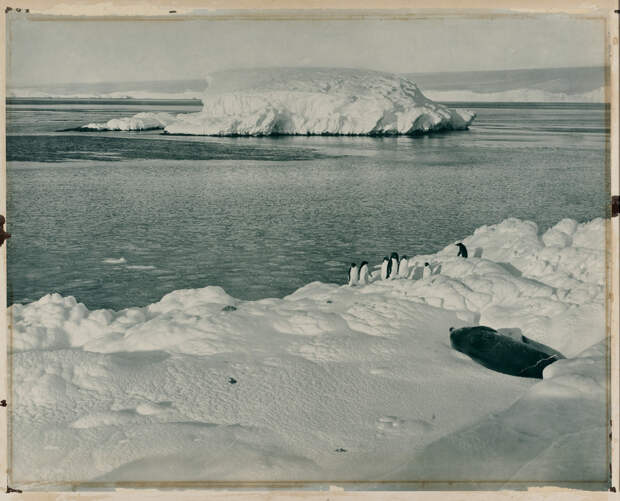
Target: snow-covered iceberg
(140,121)
(331,382)
(313,101)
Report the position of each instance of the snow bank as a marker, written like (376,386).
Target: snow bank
(338,382)
(556,432)
(312,101)
(141,121)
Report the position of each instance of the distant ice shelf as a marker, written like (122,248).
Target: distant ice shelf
(518,95)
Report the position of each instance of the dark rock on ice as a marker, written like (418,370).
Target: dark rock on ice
(229,307)
(516,355)
(232,380)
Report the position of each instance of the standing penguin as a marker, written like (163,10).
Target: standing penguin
(403,267)
(427,271)
(385,268)
(353,274)
(364,275)
(394,268)
(462,250)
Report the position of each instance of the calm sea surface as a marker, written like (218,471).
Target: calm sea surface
(119,219)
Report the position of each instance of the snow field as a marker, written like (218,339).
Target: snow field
(333,382)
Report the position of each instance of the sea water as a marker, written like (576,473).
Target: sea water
(119,219)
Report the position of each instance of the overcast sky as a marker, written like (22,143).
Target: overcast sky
(61,51)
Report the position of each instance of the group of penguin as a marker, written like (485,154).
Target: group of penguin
(391,268)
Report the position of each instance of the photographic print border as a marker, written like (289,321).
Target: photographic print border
(175,11)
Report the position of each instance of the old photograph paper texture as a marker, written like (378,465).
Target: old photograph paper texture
(307,248)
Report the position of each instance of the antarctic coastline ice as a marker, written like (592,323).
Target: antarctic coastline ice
(466,96)
(331,382)
(533,95)
(308,101)
(569,85)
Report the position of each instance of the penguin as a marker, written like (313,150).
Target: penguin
(385,268)
(364,275)
(403,267)
(427,271)
(353,275)
(394,268)
(462,250)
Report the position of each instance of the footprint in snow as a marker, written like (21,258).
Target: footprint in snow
(379,371)
(389,422)
(150,408)
(392,424)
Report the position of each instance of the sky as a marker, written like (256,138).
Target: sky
(58,51)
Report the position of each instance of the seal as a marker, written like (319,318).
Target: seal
(508,354)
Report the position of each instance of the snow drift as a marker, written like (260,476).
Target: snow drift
(313,101)
(332,382)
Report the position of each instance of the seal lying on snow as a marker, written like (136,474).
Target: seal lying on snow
(502,352)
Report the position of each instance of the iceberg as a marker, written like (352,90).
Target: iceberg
(141,121)
(331,382)
(311,101)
